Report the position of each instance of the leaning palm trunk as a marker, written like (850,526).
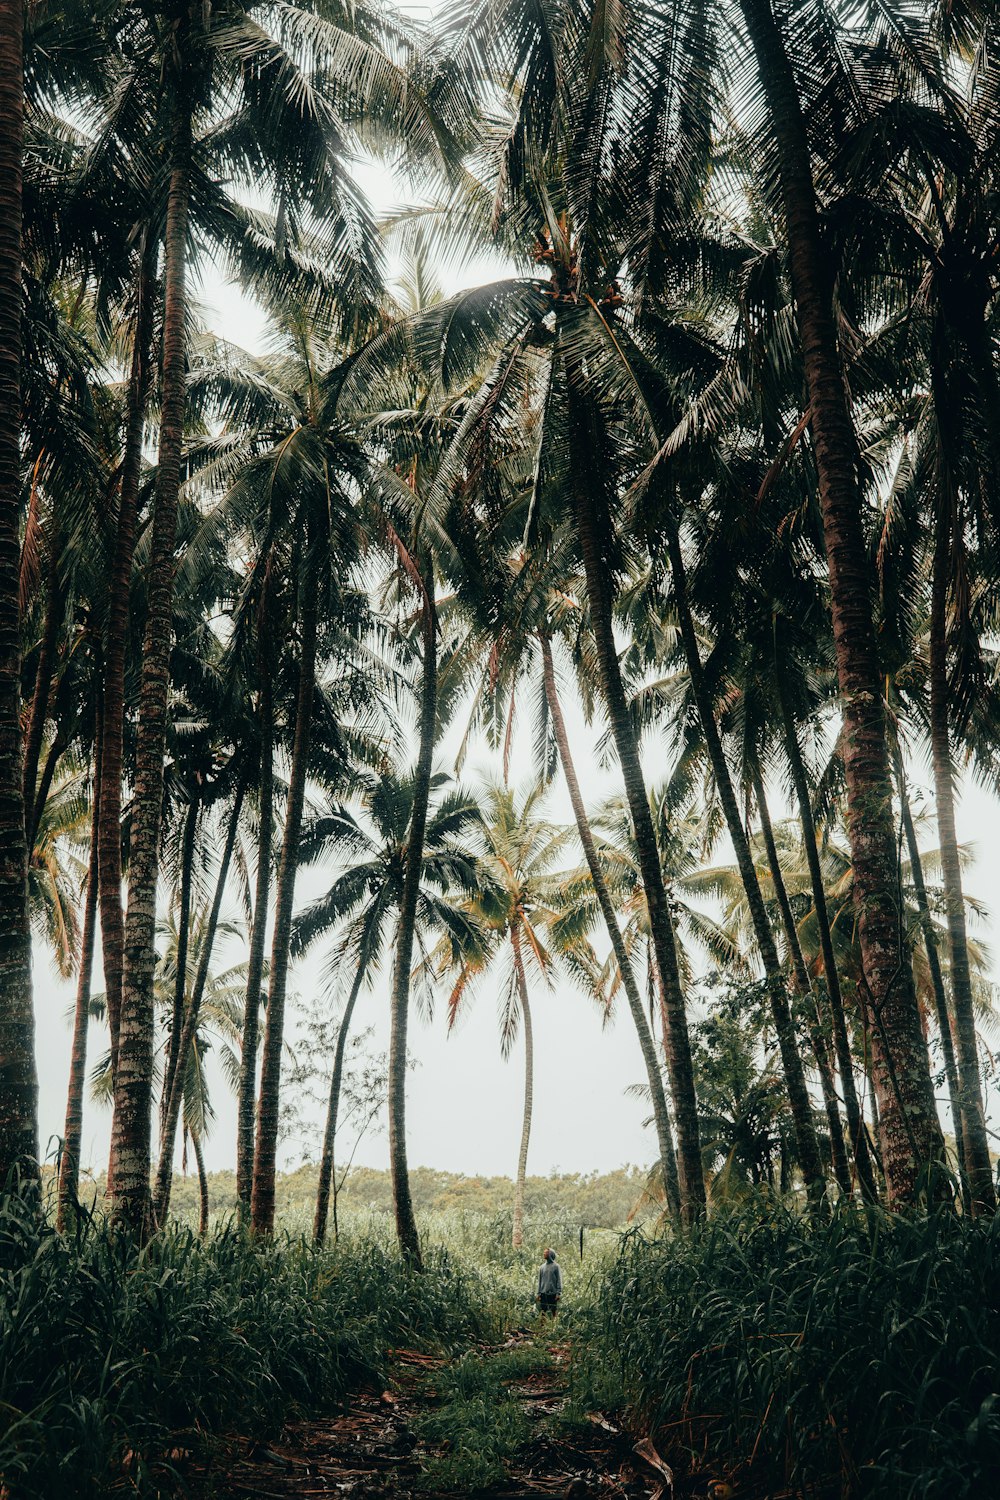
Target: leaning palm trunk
(664,1136)
(133,1083)
(69,1164)
(258,938)
(187,1025)
(406,1224)
(841,1040)
(937,983)
(18,1081)
(517,1238)
(590,511)
(265,1151)
(43,686)
(180,978)
(327,1165)
(199,1161)
(912,1143)
(795,1078)
(115,641)
(978,1167)
(821,1050)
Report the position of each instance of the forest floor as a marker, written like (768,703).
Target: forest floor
(495,1422)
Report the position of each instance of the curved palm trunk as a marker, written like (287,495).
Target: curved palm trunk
(517,1239)
(174,1083)
(18,1080)
(258,938)
(838,1147)
(327,1165)
(912,1143)
(43,687)
(664,1135)
(937,983)
(265,1152)
(115,641)
(841,1040)
(199,1161)
(406,1224)
(180,979)
(590,510)
(130,1135)
(978,1167)
(795,1078)
(69,1164)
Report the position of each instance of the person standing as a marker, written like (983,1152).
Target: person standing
(549,1285)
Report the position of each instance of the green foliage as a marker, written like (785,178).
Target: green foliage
(856,1355)
(480,1422)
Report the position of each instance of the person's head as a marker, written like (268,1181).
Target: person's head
(550,1255)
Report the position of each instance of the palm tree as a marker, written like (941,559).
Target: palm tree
(364,900)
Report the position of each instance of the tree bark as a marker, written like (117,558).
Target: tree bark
(841,1039)
(18,1079)
(189,1024)
(199,1161)
(664,1135)
(978,1167)
(517,1238)
(838,1147)
(130,1136)
(810,1161)
(69,1164)
(262,1196)
(327,1164)
(587,507)
(180,979)
(258,939)
(406,1224)
(115,643)
(912,1143)
(937,983)
(43,687)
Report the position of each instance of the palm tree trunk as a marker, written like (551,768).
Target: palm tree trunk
(912,1143)
(841,1040)
(937,982)
(590,511)
(258,939)
(69,1164)
(130,1134)
(517,1238)
(262,1195)
(668,1159)
(978,1167)
(115,642)
(406,1224)
(18,1079)
(180,979)
(199,1161)
(43,687)
(795,1078)
(327,1165)
(189,1025)
(838,1147)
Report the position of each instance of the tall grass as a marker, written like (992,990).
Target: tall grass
(853,1356)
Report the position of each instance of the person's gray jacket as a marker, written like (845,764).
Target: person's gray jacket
(550,1279)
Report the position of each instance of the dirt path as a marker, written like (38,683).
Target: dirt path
(379,1446)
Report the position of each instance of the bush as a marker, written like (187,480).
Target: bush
(857,1355)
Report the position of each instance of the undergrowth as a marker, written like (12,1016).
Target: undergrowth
(852,1356)
(479,1423)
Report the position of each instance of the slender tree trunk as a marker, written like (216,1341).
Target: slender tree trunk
(115,642)
(18,1079)
(130,1135)
(406,1224)
(262,1198)
(589,516)
(668,1160)
(180,979)
(327,1164)
(258,939)
(978,1167)
(912,1143)
(529,1089)
(795,1079)
(43,687)
(69,1164)
(189,1024)
(838,1147)
(937,982)
(199,1161)
(841,1039)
